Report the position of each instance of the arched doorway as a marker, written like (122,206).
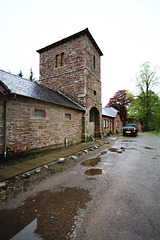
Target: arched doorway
(94,122)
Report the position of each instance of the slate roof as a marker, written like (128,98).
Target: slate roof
(109,112)
(24,87)
(76,35)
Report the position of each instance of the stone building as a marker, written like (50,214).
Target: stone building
(72,65)
(111,120)
(33,116)
(64,108)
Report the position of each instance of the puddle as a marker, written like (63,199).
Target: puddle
(115,150)
(149,148)
(47,215)
(93,171)
(131,148)
(102,153)
(91,162)
(91,179)
(108,163)
(28,231)
(123,148)
(127,141)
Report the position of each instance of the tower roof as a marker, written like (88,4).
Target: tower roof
(76,35)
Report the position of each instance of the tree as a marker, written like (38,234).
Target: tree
(144,106)
(143,110)
(31,77)
(156,119)
(20,74)
(120,101)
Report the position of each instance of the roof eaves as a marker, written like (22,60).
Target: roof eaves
(82,108)
(5,86)
(76,35)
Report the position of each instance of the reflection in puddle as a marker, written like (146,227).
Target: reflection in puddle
(123,148)
(149,148)
(128,141)
(28,232)
(102,153)
(49,215)
(108,163)
(115,150)
(91,162)
(93,172)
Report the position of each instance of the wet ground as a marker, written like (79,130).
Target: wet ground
(111,194)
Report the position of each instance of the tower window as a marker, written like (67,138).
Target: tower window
(62,59)
(57,60)
(94,62)
(95,93)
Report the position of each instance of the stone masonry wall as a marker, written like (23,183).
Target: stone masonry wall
(118,127)
(1,126)
(115,126)
(77,76)
(26,132)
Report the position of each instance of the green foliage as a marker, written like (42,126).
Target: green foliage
(154,133)
(156,118)
(20,74)
(145,107)
(58,169)
(31,77)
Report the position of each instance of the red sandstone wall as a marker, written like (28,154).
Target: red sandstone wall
(1,126)
(107,129)
(25,131)
(77,77)
(117,118)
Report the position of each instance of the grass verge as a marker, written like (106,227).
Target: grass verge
(154,133)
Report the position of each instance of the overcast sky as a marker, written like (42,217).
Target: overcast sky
(126,31)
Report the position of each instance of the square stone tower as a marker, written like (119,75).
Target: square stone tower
(72,66)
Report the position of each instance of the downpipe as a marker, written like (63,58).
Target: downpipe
(5,129)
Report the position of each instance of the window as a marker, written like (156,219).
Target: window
(95,93)
(67,116)
(94,62)
(117,124)
(62,59)
(107,125)
(57,60)
(39,113)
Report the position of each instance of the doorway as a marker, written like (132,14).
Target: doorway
(94,122)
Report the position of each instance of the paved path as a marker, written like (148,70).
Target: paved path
(33,163)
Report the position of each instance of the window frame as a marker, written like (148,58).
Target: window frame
(67,116)
(38,114)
